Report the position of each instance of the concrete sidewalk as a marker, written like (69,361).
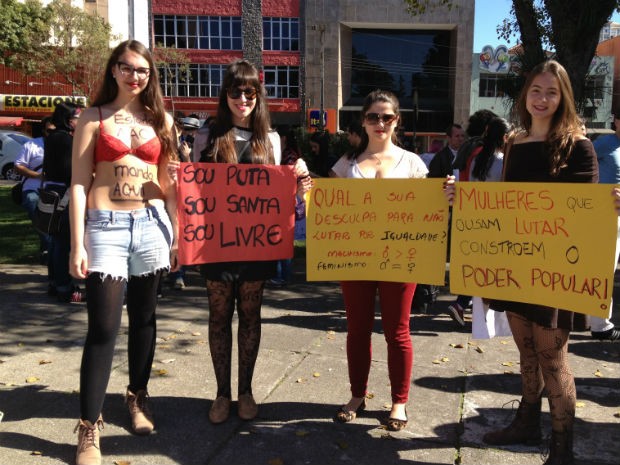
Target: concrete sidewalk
(458,388)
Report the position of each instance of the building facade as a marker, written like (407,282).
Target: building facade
(492,65)
(356,46)
(213,34)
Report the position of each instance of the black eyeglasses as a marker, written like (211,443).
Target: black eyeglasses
(128,70)
(374,118)
(235,92)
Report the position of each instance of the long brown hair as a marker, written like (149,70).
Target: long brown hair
(565,126)
(151,97)
(376,96)
(221,145)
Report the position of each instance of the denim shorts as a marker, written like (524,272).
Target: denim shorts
(128,243)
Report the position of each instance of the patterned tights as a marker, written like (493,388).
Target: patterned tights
(222,296)
(544,364)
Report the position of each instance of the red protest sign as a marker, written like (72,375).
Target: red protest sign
(235,212)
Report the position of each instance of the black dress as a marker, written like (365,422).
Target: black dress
(528,162)
(241,271)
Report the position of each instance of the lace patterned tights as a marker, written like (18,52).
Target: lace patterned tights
(544,364)
(248,296)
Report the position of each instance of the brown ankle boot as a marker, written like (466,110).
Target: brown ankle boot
(141,417)
(561,449)
(88,451)
(524,429)
(246,407)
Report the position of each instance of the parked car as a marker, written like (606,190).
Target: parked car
(11,143)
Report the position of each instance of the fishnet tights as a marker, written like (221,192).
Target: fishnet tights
(544,364)
(222,296)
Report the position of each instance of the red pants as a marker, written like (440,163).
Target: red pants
(395,302)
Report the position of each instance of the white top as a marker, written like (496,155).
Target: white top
(495,173)
(408,166)
(202,136)
(31,156)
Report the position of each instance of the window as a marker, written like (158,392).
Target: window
(407,62)
(198,32)
(489,85)
(282,81)
(281,34)
(200,80)
(595,87)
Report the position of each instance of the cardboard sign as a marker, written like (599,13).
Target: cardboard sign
(235,212)
(551,244)
(377,229)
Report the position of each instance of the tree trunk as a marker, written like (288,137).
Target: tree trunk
(531,38)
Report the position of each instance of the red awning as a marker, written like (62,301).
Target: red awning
(11,120)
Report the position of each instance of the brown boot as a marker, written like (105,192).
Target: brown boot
(88,451)
(524,429)
(246,407)
(220,410)
(141,417)
(561,449)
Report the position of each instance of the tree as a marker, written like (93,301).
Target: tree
(25,30)
(174,66)
(570,28)
(80,42)
(58,40)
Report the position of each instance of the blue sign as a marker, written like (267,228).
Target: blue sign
(315,119)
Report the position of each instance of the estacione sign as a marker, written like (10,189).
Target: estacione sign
(34,103)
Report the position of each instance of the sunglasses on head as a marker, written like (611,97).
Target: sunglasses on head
(235,92)
(374,118)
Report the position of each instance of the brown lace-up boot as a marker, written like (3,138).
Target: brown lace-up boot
(141,417)
(524,429)
(561,448)
(88,451)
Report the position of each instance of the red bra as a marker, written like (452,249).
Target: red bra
(110,148)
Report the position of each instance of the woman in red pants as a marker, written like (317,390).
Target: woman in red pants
(378,156)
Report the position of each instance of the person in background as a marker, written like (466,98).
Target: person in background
(378,156)
(200,139)
(189,126)
(123,230)
(476,125)
(441,164)
(484,165)
(488,163)
(468,150)
(607,149)
(290,155)
(354,134)
(29,164)
(436,146)
(240,134)
(549,147)
(57,177)
(321,157)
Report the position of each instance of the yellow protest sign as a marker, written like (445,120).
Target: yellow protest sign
(377,229)
(551,244)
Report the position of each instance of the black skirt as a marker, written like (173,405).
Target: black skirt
(240,271)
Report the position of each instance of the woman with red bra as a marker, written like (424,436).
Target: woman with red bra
(123,223)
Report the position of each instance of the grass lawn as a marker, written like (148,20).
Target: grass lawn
(19,242)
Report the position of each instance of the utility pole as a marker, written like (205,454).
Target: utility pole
(322,109)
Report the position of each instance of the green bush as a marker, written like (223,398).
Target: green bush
(19,243)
